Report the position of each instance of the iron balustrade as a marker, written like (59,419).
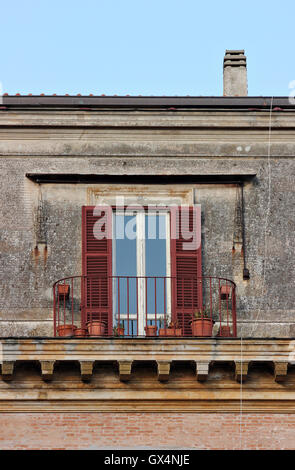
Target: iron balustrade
(135,306)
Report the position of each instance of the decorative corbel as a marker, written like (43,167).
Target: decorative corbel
(125,370)
(47,368)
(280,371)
(7,370)
(86,368)
(202,370)
(163,370)
(241,371)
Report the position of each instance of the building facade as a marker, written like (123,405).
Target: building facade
(147,266)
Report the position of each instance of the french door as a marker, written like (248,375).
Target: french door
(141,269)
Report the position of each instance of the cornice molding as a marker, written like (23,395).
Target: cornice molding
(142,349)
(223,375)
(135,406)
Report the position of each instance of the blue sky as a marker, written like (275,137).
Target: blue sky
(147,47)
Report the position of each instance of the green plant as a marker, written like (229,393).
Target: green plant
(166,323)
(163,322)
(116,329)
(200,314)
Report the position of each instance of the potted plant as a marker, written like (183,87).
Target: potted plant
(119,329)
(96,327)
(225,291)
(163,324)
(150,330)
(202,323)
(174,329)
(169,328)
(224,330)
(63,291)
(66,330)
(80,332)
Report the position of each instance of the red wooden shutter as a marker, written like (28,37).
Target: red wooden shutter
(186,264)
(97,265)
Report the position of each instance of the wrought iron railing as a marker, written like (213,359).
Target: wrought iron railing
(135,306)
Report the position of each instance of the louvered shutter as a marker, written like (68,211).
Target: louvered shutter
(186,264)
(97,265)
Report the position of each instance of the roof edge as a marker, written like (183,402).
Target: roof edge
(149,101)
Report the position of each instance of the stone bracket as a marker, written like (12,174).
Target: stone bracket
(202,370)
(125,370)
(86,368)
(7,370)
(163,370)
(47,368)
(241,370)
(280,371)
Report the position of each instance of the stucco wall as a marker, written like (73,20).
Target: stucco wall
(195,143)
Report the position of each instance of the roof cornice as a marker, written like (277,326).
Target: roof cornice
(170,102)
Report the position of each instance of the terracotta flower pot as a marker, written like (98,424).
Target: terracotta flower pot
(66,330)
(96,328)
(225,292)
(202,327)
(63,290)
(170,332)
(120,331)
(163,332)
(80,332)
(224,331)
(151,330)
(178,332)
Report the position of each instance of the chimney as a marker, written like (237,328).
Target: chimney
(235,74)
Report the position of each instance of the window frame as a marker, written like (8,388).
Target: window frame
(140,213)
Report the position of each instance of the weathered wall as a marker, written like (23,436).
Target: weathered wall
(200,142)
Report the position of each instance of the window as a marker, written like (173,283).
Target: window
(141,265)
(141,268)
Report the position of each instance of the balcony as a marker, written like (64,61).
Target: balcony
(144,306)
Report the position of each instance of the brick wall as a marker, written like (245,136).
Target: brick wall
(146,430)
